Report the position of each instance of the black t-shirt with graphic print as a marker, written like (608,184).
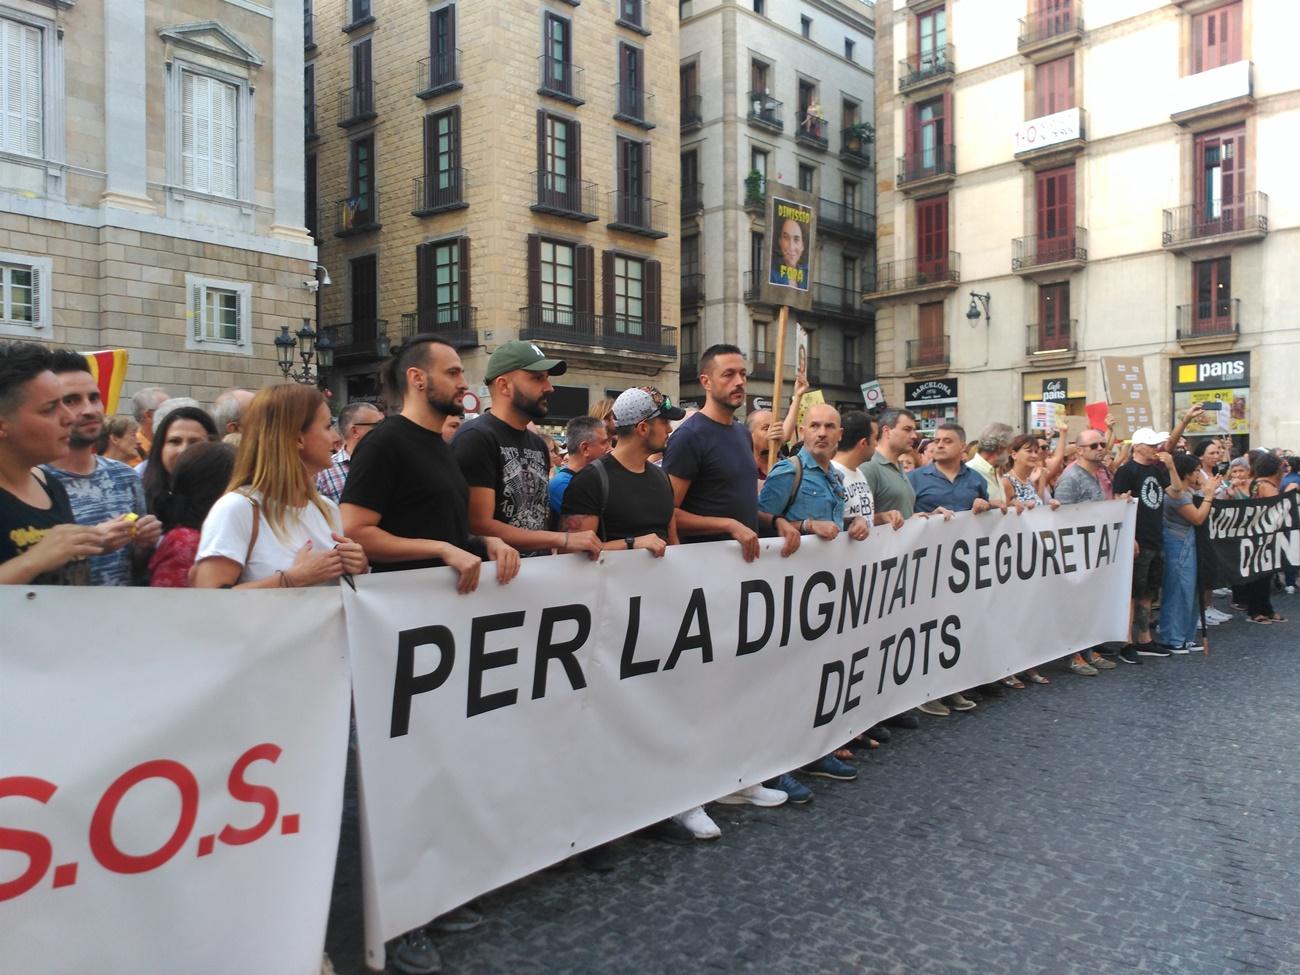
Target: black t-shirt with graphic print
(513,463)
(1147,483)
(22,526)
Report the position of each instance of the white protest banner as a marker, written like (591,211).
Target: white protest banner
(510,728)
(171,779)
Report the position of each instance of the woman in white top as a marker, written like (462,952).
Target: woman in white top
(272,529)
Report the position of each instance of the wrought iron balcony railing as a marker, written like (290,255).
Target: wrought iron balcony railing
(634,104)
(927,353)
(438,192)
(1214,318)
(561,79)
(564,196)
(553,323)
(764,110)
(453,323)
(692,110)
(356,214)
(1038,250)
(357,104)
(363,339)
(1046,25)
(636,214)
(438,73)
(931,65)
(1246,215)
(692,290)
(840,218)
(916,273)
(924,163)
(1043,337)
(812,131)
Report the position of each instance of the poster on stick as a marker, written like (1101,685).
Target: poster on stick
(791,253)
(171,778)
(1256,537)
(630,665)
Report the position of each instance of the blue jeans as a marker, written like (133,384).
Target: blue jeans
(1178,602)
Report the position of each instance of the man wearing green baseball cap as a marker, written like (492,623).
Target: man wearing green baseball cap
(506,464)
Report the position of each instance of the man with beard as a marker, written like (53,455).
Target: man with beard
(102,491)
(710,463)
(405,500)
(506,465)
(407,504)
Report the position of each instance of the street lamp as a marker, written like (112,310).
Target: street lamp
(973,312)
(309,346)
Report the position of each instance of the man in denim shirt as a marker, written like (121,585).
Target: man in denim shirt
(816,507)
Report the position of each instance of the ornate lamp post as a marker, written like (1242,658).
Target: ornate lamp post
(309,346)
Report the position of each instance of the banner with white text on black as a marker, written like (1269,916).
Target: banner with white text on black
(1256,537)
(171,779)
(508,729)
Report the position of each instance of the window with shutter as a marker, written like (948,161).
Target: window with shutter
(556,267)
(932,238)
(22,284)
(22,114)
(209,135)
(1054,86)
(629,295)
(1216,37)
(218,314)
(1055,191)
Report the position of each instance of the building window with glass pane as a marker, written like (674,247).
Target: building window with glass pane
(557,283)
(221,315)
(209,135)
(446,283)
(629,292)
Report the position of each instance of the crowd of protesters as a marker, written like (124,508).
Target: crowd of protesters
(267,489)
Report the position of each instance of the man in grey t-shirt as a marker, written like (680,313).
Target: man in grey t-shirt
(889,485)
(1078,484)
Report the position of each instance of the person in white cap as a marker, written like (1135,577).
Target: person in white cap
(1145,478)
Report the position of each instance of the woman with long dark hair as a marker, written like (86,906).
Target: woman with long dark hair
(183,427)
(199,478)
(272,529)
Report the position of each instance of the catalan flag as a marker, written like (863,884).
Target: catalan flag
(109,369)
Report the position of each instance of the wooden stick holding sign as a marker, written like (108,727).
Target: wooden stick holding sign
(778,380)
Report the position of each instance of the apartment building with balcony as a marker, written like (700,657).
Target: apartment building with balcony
(488,172)
(779,91)
(151,185)
(1111,174)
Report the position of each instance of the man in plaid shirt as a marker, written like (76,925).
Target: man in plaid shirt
(355,421)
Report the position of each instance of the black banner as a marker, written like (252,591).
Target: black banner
(1254,538)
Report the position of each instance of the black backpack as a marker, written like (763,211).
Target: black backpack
(602,475)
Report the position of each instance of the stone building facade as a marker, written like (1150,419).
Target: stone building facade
(148,199)
(498,171)
(1112,175)
(782,92)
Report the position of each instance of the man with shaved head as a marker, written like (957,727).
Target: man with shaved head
(807,492)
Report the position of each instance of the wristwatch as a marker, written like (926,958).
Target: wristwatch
(630,542)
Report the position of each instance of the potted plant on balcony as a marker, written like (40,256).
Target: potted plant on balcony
(858,136)
(754,187)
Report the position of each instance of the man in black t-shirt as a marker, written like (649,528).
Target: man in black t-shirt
(631,506)
(506,465)
(710,462)
(405,500)
(1145,478)
(39,543)
(628,502)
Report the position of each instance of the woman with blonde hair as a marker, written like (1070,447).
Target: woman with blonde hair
(272,529)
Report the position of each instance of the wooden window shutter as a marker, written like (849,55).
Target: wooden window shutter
(462,271)
(653,311)
(455,137)
(541,143)
(607,286)
(196,311)
(451,33)
(913,130)
(624,55)
(534,269)
(575,152)
(430,149)
(949,131)
(241,312)
(584,273)
(424,295)
(37,316)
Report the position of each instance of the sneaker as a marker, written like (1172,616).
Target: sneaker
(414,954)
(906,720)
(755,795)
(1101,663)
(457,921)
(1152,650)
(936,708)
(1176,650)
(792,787)
(1191,646)
(1129,655)
(830,767)
(959,703)
(1083,669)
(699,824)
(1217,614)
(1223,592)
(669,831)
(880,733)
(1289,590)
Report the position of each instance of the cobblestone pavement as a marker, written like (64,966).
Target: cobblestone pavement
(1145,820)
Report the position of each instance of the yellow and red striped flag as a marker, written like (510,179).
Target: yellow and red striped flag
(109,369)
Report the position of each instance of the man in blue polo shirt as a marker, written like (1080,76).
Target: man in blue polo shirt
(947,483)
(815,506)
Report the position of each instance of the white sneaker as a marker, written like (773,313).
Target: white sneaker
(1289,590)
(755,795)
(1191,646)
(698,822)
(1176,649)
(1223,592)
(1217,615)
